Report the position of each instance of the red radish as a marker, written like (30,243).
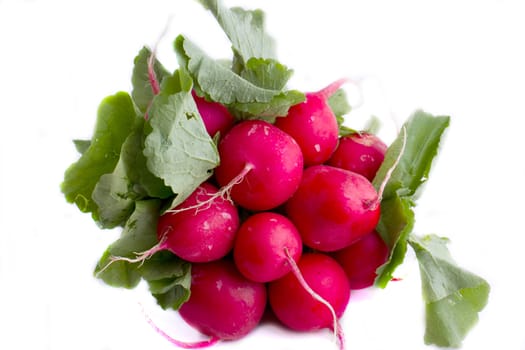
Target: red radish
(362,153)
(194,232)
(332,208)
(223,304)
(215,116)
(259,250)
(202,234)
(295,306)
(313,125)
(361,260)
(261,166)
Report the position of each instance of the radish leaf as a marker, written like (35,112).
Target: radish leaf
(139,234)
(245,29)
(453,296)
(115,120)
(142,92)
(423,136)
(424,133)
(395,225)
(178,148)
(220,84)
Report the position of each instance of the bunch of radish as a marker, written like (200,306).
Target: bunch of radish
(237,196)
(287,219)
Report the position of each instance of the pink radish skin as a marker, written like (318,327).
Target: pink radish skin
(296,308)
(361,260)
(259,246)
(313,125)
(261,164)
(223,304)
(200,234)
(362,153)
(332,208)
(215,116)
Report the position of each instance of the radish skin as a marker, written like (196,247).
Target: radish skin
(275,161)
(313,125)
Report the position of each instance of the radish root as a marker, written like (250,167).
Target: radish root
(224,192)
(181,344)
(140,257)
(336,328)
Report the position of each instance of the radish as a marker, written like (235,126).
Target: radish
(261,166)
(361,260)
(297,308)
(259,250)
(195,232)
(313,125)
(215,116)
(202,234)
(223,304)
(362,153)
(333,207)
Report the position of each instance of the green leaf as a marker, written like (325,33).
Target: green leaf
(178,82)
(220,84)
(178,148)
(453,296)
(168,278)
(338,102)
(142,182)
(423,136)
(112,196)
(372,125)
(115,193)
(115,120)
(424,133)
(163,265)
(82,145)
(142,92)
(177,291)
(245,29)
(395,225)
(138,235)
(266,73)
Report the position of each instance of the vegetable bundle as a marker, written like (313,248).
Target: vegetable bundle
(223,179)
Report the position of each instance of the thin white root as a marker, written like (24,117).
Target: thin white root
(297,273)
(181,344)
(224,193)
(140,257)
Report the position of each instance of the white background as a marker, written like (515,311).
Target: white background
(460,58)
